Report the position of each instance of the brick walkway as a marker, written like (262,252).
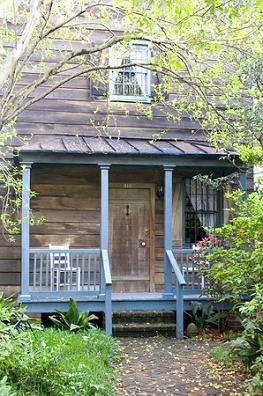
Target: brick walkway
(165,366)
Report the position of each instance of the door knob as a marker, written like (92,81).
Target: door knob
(143,244)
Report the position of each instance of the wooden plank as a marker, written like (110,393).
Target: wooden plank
(27,128)
(82,94)
(159,278)
(7,265)
(133,194)
(100,106)
(159,217)
(41,202)
(64,228)
(81,241)
(10,252)
(65,175)
(63,117)
(58,190)
(159,253)
(64,44)
(159,229)
(72,216)
(5,242)
(10,278)
(77,82)
(133,177)
(10,290)
(130,286)
(159,268)
(159,242)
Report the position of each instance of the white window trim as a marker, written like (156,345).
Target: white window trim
(129,98)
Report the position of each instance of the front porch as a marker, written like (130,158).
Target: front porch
(101,276)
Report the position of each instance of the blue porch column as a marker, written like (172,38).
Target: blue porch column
(104,243)
(104,212)
(168,228)
(25,233)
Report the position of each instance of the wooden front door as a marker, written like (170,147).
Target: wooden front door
(130,226)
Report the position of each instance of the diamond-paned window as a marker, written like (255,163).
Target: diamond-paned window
(130,83)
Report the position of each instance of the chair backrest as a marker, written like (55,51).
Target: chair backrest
(59,259)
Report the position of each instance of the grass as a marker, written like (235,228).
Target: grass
(54,362)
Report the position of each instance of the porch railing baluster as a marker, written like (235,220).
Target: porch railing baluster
(95,272)
(40,271)
(83,271)
(47,269)
(35,270)
(89,272)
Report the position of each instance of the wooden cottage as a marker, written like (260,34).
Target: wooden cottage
(122,212)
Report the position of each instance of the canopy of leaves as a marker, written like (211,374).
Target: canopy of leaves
(208,53)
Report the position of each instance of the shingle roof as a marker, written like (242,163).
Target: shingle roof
(106,145)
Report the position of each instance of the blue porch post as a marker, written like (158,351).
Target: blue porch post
(104,242)
(168,228)
(179,310)
(104,232)
(25,233)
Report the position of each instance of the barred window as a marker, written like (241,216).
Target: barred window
(203,208)
(130,83)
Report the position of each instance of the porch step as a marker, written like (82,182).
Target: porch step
(144,323)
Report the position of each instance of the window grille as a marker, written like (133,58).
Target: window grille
(202,209)
(130,83)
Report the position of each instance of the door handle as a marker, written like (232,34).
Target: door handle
(143,244)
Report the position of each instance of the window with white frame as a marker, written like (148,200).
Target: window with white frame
(132,82)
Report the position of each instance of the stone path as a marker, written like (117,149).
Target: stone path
(165,366)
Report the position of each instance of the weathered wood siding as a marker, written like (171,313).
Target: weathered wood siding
(69,199)
(76,107)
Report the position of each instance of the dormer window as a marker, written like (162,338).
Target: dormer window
(130,83)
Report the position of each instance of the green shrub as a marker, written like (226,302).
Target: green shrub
(236,260)
(256,384)
(204,313)
(232,264)
(53,362)
(5,389)
(13,317)
(222,355)
(249,347)
(73,320)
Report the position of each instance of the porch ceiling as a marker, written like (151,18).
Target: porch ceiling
(116,146)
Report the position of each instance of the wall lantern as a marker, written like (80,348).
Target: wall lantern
(160,192)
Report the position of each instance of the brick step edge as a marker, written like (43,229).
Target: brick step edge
(144,317)
(143,326)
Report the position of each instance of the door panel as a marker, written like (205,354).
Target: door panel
(130,239)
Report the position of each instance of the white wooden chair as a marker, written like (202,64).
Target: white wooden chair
(61,269)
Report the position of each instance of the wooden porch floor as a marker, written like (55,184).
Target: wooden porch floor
(120,302)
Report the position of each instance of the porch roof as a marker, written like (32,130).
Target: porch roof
(116,146)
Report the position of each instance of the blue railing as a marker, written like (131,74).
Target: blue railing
(56,273)
(195,282)
(64,271)
(108,289)
(180,283)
